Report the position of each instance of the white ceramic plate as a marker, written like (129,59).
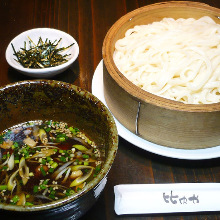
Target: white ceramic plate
(200,154)
(44,33)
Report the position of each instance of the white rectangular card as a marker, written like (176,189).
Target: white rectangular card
(166,198)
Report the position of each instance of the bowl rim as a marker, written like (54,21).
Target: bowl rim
(136,92)
(19,67)
(107,165)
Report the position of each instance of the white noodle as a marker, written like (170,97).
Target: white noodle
(176,59)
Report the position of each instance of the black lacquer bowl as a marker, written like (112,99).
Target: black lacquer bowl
(59,101)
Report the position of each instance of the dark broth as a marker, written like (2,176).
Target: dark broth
(45,161)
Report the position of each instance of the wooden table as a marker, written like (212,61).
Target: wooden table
(88,22)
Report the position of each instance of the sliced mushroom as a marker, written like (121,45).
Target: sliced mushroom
(76,174)
(43,136)
(30,142)
(6,144)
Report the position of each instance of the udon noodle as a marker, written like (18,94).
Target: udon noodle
(175,59)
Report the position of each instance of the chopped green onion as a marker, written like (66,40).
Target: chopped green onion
(69,152)
(74,131)
(35,189)
(28,204)
(51,162)
(69,192)
(63,159)
(47,129)
(52,196)
(3,187)
(1,139)
(43,171)
(78,188)
(97,169)
(15,199)
(85,156)
(53,192)
(31,174)
(61,139)
(51,170)
(88,141)
(49,122)
(80,147)
(4,167)
(86,163)
(54,165)
(45,181)
(43,161)
(43,186)
(48,158)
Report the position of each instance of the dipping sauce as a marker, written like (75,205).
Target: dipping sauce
(43,161)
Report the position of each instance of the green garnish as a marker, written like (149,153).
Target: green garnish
(61,137)
(54,165)
(35,189)
(97,170)
(28,204)
(15,199)
(43,161)
(44,54)
(1,139)
(47,168)
(3,187)
(85,156)
(69,192)
(74,130)
(43,171)
(51,170)
(86,163)
(63,159)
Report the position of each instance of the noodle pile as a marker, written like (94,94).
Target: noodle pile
(175,59)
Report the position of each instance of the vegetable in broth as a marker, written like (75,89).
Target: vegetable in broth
(42,162)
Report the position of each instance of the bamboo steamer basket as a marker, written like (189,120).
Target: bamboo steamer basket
(153,118)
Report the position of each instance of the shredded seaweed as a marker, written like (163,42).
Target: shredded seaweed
(44,54)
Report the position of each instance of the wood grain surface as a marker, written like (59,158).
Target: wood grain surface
(88,22)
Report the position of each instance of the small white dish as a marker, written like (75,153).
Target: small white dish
(34,34)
